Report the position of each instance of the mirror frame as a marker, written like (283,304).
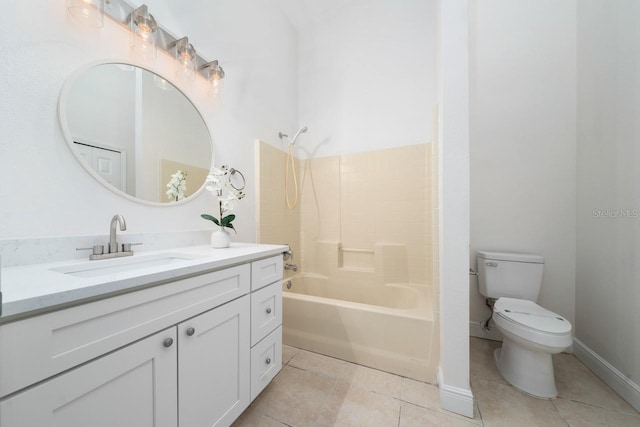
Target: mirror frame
(66,132)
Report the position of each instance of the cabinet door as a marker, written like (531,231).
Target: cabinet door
(214,363)
(133,386)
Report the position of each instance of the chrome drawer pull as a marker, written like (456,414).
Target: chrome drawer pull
(168,342)
(191,331)
(268,361)
(268,310)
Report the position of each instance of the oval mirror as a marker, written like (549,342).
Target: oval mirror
(136,133)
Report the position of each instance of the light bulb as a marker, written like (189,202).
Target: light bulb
(89,12)
(186,57)
(143,33)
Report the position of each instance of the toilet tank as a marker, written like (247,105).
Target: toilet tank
(512,275)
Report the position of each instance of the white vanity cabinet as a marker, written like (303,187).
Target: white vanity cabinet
(175,354)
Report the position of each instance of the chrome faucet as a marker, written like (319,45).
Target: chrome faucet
(113,249)
(288,266)
(113,244)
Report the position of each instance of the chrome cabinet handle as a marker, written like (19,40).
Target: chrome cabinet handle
(268,310)
(191,331)
(268,361)
(168,342)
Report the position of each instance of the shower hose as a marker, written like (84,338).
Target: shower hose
(291,162)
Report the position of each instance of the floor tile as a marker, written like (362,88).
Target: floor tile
(255,418)
(353,406)
(421,394)
(428,396)
(287,353)
(581,414)
(295,396)
(576,382)
(373,380)
(482,364)
(416,416)
(503,405)
(318,363)
(319,391)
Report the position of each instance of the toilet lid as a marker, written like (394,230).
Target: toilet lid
(530,314)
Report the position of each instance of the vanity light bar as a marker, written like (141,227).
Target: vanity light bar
(120,11)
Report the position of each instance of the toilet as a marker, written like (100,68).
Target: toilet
(531,334)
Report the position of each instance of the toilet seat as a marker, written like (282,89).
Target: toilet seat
(528,321)
(530,315)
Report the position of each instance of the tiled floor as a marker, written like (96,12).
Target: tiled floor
(316,391)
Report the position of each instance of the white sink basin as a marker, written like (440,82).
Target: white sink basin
(121,265)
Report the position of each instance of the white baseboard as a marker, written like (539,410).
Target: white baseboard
(455,399)
(476,329)
(615,379)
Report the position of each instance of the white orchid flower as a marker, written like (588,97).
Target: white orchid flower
(218,184)
(177,186)
(229,205)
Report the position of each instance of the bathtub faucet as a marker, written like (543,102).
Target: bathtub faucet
(289,266)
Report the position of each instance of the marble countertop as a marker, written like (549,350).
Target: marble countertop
(34,289)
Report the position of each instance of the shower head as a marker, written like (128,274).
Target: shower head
(303,129)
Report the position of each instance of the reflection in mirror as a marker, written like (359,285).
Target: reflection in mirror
(133,130)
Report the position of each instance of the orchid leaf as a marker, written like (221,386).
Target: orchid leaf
(227,220)
(231,227)
(211,218)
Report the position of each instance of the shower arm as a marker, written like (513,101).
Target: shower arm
(292,141)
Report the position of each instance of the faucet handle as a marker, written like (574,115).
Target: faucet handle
(126,247)
(97,249)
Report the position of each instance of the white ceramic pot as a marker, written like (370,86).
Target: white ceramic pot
(220,239)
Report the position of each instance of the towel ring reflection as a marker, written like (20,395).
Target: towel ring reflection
(233,171)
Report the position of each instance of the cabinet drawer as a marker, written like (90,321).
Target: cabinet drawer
(266,361)
(266,311)
(266,271)
(52,343)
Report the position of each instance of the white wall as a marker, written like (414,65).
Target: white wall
(46,192)
(608,271)
(523,139)
(367,76)
(455,389)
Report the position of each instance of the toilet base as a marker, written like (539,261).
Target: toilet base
(528,370)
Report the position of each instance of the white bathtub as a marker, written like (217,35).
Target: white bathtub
(388,327)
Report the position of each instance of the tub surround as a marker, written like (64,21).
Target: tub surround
(356,202)
(33,289)
(355,265)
